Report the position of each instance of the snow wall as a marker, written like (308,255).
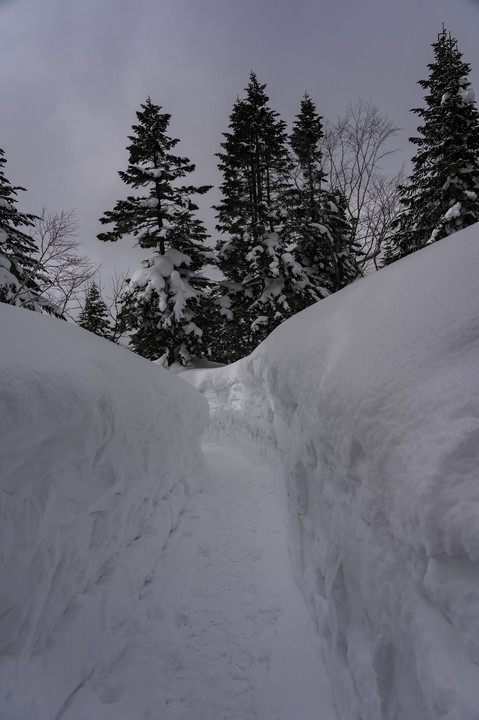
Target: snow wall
(97,449)
(368,404)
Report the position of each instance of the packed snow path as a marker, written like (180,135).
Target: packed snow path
(221,632)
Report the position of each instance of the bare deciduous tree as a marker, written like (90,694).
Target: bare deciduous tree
(378,214)
(355,148)
(60,271)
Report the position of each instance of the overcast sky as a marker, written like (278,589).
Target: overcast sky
(73,73)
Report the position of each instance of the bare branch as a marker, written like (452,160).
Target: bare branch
(355,147)
(61,272)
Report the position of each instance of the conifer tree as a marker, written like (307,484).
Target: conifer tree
(17,248)
(255,165)
(305,140)
(317,221)
(442,195)
(341,268)
(94,315)
(304,225)
(162,305)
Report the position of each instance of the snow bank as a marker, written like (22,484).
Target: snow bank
(97,449)
(369,404)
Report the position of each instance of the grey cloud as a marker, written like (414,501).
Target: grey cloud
(73,74)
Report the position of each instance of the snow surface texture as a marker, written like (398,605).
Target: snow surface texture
(221,630)
(97,451)
(368,404)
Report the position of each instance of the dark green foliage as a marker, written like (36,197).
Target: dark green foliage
(255,165)
(163,303)
(317,222)
(305,228)
(441,196)
(305,140)
(17,249)
(341,268)
(287,239)
(94,315)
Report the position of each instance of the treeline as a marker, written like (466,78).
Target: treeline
(301,215)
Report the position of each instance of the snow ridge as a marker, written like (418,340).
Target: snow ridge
(368,405)
(98,448)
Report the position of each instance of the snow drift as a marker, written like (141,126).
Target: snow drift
(368,402)
(97,449)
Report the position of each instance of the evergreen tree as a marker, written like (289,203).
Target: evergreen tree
(305,140)
(94,315)
(317,221)
(17,249)
(341,268)
(162,306)
(442,194)
(255,166)
(305,226)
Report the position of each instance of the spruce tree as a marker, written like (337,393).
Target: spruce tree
(255,165)
(442,195)
(94,315)
(17,249)
(317,221)
(305,140)
(304,226)
(162,306)
(335,232)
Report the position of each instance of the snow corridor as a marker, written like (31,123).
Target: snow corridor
(221,630)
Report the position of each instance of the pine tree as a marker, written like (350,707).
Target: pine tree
(317,221)
(304,226)
(341,268)
(163,303)
(441,196)
(94,315)
(255,164)
(17,249)
(305,140)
